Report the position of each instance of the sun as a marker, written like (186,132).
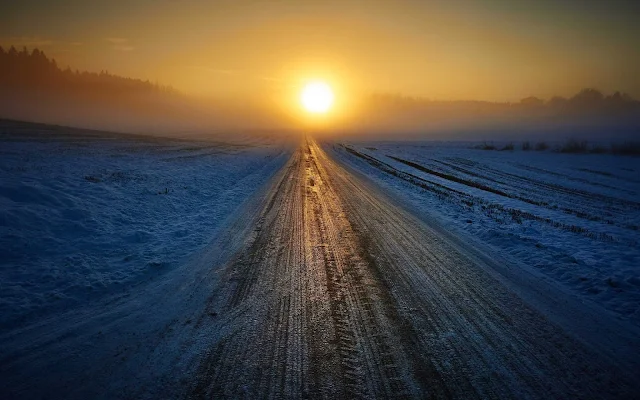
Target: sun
(317,97)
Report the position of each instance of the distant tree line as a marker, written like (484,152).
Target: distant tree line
(34,71)
(588,101)
(589,108)
(34,88)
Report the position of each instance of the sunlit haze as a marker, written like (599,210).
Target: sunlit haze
(495,50)
(320,199)
(258,55)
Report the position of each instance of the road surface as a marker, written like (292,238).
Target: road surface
(330,290)
(344,295)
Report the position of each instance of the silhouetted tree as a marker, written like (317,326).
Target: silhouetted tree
(587,99)
(557,102)
(24,70)
(532,102)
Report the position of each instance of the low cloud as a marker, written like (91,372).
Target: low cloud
(116,40)
(120,44)
(26,41)
(224,71)
(123,47)
(221,71)
(270,79)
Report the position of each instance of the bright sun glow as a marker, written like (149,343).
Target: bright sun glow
(317,97)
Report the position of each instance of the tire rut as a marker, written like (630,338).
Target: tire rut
(342,295)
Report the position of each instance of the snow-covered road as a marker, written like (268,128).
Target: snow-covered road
(345,295)
(322,287)
(572,218)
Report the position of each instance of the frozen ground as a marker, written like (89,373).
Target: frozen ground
(83,214)
(317,285)
(573,218)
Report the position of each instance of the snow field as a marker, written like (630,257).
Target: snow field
(574,218)
(83,215)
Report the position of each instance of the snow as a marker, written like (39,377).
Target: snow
(85,214)
(573,218)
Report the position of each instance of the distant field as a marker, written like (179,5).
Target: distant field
(84,213)
(573,217)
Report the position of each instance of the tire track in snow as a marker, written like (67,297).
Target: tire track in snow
(343,295)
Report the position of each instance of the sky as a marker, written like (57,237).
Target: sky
(443,50)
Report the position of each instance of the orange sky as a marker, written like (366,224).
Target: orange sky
(492,50)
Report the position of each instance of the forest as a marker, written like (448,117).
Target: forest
(24,70)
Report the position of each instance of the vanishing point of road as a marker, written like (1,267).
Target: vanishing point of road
(342,294)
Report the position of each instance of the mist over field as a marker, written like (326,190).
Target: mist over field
(34,88)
